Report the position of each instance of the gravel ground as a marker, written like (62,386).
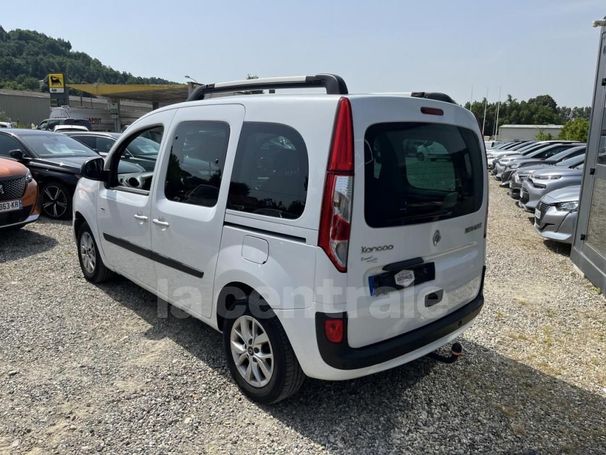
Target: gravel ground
(87,369)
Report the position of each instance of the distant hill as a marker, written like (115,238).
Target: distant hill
(26,57)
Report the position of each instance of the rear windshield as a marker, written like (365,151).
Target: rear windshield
(421,172)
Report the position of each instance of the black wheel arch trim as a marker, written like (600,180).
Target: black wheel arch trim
(344,357)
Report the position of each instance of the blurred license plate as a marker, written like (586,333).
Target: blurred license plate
(9,206)
(537,214)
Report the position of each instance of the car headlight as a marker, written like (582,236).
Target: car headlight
(571,206)
(547,177)
(29,177)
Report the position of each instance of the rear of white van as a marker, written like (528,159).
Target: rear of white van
(402,232)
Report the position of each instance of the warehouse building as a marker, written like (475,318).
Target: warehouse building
(527,132)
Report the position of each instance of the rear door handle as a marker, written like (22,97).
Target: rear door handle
(164,224)
(140,217)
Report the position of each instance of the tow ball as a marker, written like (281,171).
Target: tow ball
(456,351)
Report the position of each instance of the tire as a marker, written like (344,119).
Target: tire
(92,265)
(286,376)
(56,200)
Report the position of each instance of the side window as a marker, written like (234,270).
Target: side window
(103,144)
(7,144)
(270,173)
(133,165)
(89,141)
(196,161)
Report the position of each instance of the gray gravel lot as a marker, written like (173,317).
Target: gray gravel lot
(87,369)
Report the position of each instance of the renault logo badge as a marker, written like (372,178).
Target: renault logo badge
(436,238)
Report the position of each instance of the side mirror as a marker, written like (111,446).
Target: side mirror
(93,169)
(17,154)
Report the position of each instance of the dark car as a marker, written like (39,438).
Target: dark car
(54,161)
(100,142)
(142,151)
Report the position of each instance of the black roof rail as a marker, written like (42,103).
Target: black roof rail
(438,96)
(334,85)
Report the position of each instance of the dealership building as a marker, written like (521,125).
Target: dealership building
(589,248)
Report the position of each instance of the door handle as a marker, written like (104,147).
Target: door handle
(140,217)
(164,224)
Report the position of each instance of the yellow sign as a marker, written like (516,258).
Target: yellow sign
(56,83)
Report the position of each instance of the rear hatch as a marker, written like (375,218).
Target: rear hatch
(417,245)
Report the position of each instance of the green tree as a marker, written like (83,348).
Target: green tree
(575,130)
(543,136)
(27,57)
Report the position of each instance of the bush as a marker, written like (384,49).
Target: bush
(575,130)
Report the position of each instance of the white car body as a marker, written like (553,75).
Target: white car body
(64,128)
(281,258)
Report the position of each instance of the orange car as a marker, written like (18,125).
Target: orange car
(19,203)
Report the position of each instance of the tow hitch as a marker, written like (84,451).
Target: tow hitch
(456,351)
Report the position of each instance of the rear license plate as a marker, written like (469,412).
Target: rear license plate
(9,206)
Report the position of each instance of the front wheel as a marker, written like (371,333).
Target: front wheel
(56,200)
(260,358)
(92,265)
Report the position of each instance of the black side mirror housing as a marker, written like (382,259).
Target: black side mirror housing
(93,170)
(17,154)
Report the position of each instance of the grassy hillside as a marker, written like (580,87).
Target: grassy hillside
(26,57)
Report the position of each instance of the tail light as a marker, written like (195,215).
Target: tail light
(335,221)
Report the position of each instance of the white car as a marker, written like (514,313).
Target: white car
(325,235)
(70,128)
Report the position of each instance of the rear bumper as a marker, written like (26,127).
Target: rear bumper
(343,357)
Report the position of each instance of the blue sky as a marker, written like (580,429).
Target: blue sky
(527,47)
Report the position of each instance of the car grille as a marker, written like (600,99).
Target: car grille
(15,217)
(12,188)
(542,209)
(524,197)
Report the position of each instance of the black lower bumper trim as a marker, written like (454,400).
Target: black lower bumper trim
(344,357)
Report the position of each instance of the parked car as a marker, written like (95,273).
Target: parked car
(53,159)
(50,123)
(545,181)
(519,152)
(556,214)
(64,128)
(542,152)
(142,151)
(18,195)
(6,125)
(98,141)
(523,172)
(514,149)
(548,155)
(256,200)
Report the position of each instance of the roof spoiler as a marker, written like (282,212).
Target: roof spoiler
(438,96)
(333,84)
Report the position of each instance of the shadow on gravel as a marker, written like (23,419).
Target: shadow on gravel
(20,244)
(483,403)
(558,248)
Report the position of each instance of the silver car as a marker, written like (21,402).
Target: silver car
(526,170)
(556,214)
(545,181)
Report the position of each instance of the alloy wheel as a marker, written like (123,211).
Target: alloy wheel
(54,201)
(252,351)
(88,252)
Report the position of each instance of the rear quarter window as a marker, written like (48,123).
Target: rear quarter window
(421,172)
(270,172)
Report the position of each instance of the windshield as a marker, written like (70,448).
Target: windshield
(55,145)
(143,147)
(572,162)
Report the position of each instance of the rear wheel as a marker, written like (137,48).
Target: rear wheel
(260,358)
(92,265)
(56,200)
